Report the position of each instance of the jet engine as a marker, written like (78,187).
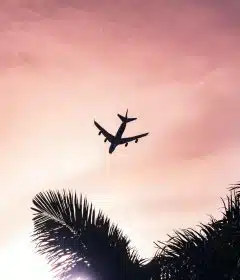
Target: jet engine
(126,144)
(105,140)
(100,132)
(136,140)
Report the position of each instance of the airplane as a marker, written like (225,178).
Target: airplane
(117,139)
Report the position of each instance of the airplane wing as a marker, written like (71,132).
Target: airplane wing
(129,139)
(108,136)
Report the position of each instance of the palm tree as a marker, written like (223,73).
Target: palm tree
(79,241)
(211,253)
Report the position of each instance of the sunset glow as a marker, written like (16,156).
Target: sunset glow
(174,66)
(18,260)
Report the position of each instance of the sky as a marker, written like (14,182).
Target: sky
(173,64)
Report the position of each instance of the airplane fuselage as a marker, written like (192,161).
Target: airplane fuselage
(117,137)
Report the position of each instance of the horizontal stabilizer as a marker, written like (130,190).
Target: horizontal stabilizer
(126,119)
(131,119)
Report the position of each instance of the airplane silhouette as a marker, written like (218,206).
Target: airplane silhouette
(117,139)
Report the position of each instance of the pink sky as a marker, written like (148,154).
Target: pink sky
(175,66)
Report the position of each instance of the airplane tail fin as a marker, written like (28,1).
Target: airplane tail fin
(125,118)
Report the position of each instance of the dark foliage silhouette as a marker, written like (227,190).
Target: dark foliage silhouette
(78,241)
(213,252)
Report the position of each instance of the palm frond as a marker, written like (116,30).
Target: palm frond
(78,240)
(213,252)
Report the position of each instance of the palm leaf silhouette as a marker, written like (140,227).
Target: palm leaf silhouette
(211,253)
(78,241)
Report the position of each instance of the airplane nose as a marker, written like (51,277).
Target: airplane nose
(111,149)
